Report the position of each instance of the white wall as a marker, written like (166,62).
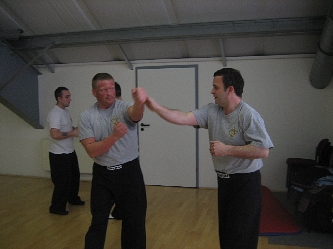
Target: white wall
(296,115)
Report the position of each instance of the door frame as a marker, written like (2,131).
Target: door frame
(196,67)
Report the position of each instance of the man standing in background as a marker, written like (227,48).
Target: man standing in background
(118,91)
(65,173)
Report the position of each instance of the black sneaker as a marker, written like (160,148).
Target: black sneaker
(79,202)
(58,212)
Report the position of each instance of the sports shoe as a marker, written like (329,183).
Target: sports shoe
(78,202)
(58,212)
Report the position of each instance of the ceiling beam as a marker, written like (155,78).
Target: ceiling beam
(10,34)
(220,30)
(10,15)
(125,57)
(46,60)
(224,61)
(170,11)
(84,12)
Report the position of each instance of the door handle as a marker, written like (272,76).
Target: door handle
(142,124)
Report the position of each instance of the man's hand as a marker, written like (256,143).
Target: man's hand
(248,151)
(75,132)
(218,148)
(119,130)
(135,112)
(139,95)
(59,135)
(95,149)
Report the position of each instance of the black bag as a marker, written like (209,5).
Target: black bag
(319,216)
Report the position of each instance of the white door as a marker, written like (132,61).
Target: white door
(168,151)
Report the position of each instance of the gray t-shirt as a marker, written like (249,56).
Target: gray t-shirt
(60,119)
(98,123)
(241,127)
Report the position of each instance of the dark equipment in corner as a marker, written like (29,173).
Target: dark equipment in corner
(310,183)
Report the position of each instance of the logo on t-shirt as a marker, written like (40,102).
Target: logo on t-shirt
(114,120)
(233,132)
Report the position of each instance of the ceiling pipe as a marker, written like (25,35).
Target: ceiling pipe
(322,68)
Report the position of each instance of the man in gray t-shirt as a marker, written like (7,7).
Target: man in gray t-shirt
(65,172)
(238,142)
(108,132)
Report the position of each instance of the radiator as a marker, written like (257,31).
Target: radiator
(85,162)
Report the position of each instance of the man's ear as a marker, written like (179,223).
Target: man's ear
(231,89)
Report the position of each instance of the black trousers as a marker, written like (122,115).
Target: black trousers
(126,188)
(65,175)
(239,209)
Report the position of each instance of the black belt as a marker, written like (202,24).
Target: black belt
(115,167)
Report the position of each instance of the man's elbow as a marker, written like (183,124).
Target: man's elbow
(90,152)
(55,137)
(264,153)
(91,155)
